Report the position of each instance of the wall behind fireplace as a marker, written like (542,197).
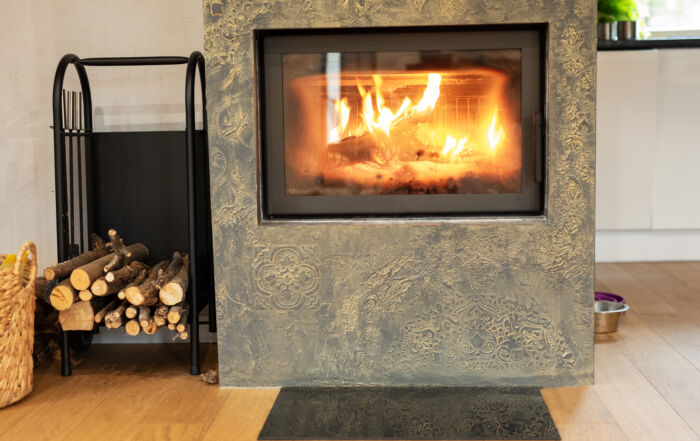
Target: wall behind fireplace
(35,34)
(457,303)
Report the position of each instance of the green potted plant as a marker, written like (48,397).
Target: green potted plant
(627,16)
(624,12)
(606,17)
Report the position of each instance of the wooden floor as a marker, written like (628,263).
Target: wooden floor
(647,381)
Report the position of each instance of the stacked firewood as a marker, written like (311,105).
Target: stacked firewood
(111,284)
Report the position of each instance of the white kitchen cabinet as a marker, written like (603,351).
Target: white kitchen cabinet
(625,141)
(676,189)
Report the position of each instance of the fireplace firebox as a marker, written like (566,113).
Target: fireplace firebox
(401,121)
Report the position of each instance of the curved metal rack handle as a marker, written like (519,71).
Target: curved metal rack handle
(196,62)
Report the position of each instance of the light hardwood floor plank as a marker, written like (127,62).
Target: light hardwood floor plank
(665,347)
(636,294)
(687,272)
(638,408)
(666,369)
(53,420)
(242,415)
(576,405)
(665,283)
(679,331)
(591,432)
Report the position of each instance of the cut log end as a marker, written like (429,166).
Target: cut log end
(85,295)
(134,296)
(150,328)
(144,316)
(160,316)
(131,312)
(79,317)
(175,313)
(99,287)
(114,319)
(173,292)
(132,327)
(63,296)
(49,274)
(80,279)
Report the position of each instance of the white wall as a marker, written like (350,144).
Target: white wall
(648,155)
(34,34)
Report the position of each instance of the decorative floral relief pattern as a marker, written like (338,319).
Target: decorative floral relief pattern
(285,278)
(481,332)
(415,304)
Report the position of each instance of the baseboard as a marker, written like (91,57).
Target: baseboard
(647,246)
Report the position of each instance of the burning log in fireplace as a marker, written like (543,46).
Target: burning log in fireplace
(111,284)
(403,132)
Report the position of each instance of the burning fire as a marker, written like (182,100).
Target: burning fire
(453,147)
(377,118)
(494,134)
(384,118)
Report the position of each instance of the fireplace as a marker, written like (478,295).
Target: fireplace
(401,121)
(388,205)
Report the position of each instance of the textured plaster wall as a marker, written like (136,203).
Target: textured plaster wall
(400,303)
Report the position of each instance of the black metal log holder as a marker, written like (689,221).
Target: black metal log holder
(164,203)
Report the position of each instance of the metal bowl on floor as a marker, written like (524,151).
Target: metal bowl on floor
(607,316)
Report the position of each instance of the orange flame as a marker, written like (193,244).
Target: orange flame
(384,118)
(494,136)
(453,147)
(343,111)
(378,117)
(431,94)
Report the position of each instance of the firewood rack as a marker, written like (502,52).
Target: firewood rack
(152,186)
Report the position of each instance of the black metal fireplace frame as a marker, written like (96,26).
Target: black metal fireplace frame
(276,205)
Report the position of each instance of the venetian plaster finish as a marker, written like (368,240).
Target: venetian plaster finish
(403,303)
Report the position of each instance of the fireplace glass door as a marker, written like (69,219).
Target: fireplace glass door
(401,122)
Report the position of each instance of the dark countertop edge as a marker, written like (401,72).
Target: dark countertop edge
(659,43)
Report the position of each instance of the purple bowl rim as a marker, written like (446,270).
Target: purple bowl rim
(616,297)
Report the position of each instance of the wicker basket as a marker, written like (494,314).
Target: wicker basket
(17,303)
